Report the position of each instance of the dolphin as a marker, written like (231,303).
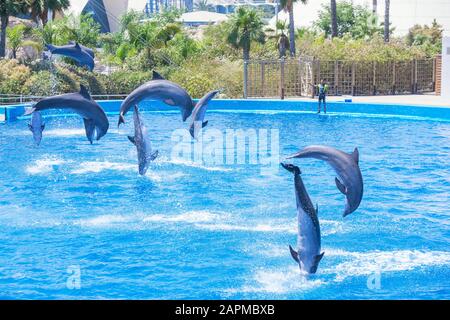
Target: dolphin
(95,121)
(308,254)
(142,143)
(88,50)
(346,167)
(198,115)
(74,52)
(36,126)
(168,92)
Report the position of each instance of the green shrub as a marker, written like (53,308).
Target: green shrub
(13,75)
(121,82)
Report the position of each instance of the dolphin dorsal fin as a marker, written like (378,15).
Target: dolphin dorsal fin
(340,186)
(355,155)
(294,254)
(319,257)
(77,45)
(84,92)
(157,76)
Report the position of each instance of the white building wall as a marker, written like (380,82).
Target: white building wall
(445,86)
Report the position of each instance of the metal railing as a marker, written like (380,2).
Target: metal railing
(13,99)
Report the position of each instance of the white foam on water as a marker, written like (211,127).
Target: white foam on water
(104,220)
(98,166)
(367,263)
(197,165)
(44,165)
(261,227)
(114,220)
(278,281)
(188,217)
(64,132)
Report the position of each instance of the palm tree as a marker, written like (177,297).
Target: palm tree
(201,5)
(386,20)
(279,34)
(9,8)
(334,26)
(288,5)
(245,26)
(15,37)
(40,9)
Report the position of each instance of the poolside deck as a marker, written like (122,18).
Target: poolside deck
(426,100)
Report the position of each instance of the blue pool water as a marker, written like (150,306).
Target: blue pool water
(213,231)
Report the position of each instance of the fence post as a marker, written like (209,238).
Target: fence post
(282,78)
(353,77)
(336,77)
(374,82)
(263,78)
(313,75)
(393,77)
(414,77)
(245,79)
(434,73)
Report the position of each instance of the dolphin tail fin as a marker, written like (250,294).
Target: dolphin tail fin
(154,155)
(121,120)
(294,254)
(29,111)
(340,186)
(291,168)
(132,140)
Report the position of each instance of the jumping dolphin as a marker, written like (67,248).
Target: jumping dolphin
(36,126)
(74,52)
(88,50)
(346,167)
(142,143)
(95,121)
(168,92)
(198,115)
(308,254)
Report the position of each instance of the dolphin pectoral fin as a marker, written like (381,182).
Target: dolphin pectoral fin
(30,127)
(355,155)
(294,254)
(340,186)
(318,258)
(170,102)
(204,124)
(89,127)
(121,120)
(43,127)
(132,140)
(317,209)
(154,155)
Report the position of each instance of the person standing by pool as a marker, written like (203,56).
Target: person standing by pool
(323,89)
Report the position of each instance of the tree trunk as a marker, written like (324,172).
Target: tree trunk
(3,24)
(334,26)
(374,6)
(246,51)
(14,53)
(291,30)
(386,20)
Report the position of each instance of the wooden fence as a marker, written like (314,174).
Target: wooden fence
(293,77)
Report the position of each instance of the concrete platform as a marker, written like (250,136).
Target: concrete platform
(426,100)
